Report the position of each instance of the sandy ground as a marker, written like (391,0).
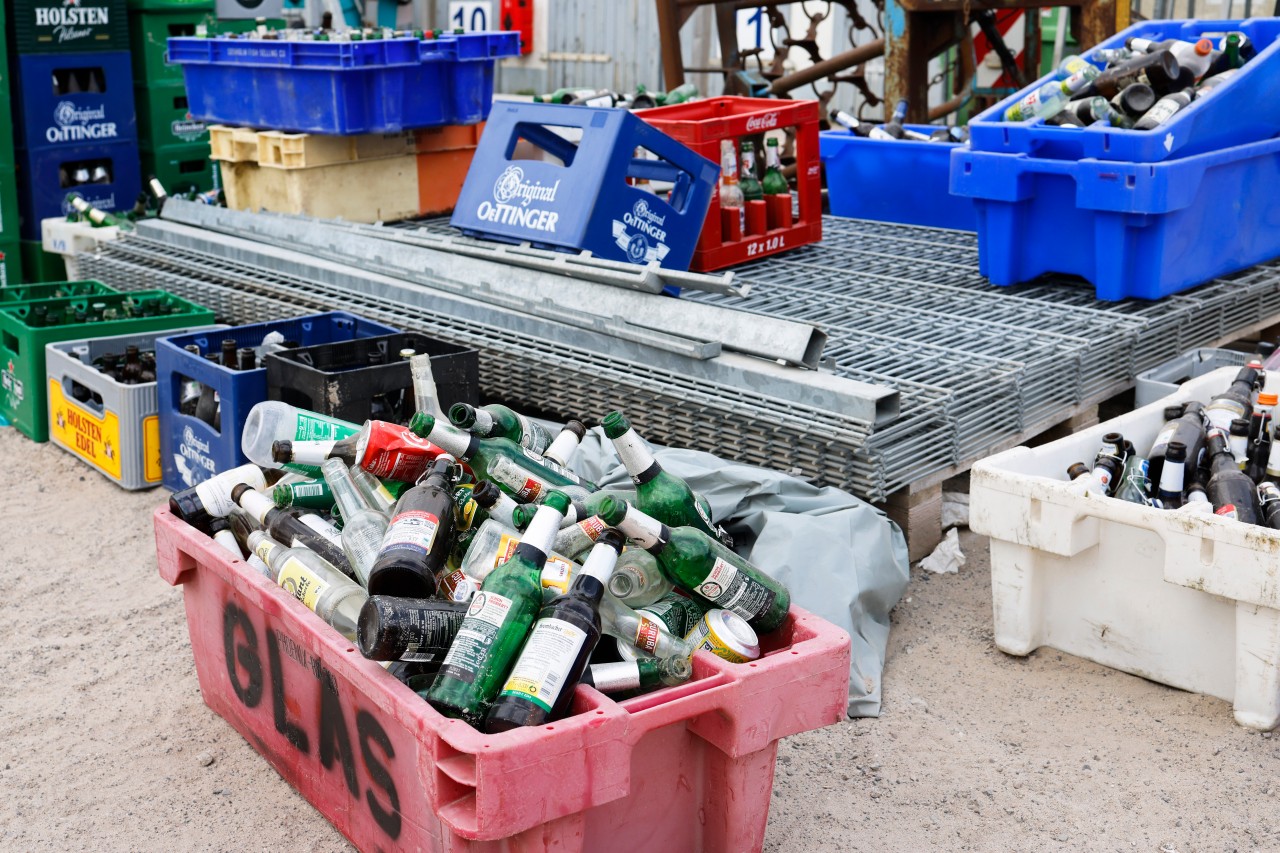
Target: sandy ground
(104,738)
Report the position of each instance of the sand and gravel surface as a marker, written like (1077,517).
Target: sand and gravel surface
(105,743)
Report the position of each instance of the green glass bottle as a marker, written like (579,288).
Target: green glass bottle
(497,623)
(519,471)
(714,575)
(312,494)
(496,421)
(639,674)
(747,180)
(549,666)
(660,494)
(774,183)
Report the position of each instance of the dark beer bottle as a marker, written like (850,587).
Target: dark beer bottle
(1184,424)
(540,686)
(1173,476)
(1232,494)
(417,541)
(408,629)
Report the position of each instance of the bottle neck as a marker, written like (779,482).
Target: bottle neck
(483,423)
(343,487)
(600,564)
(772,158)
(541,532)
(637,459)
(263,546)
(645,530)
(256,504)
(562,449)
(455,442)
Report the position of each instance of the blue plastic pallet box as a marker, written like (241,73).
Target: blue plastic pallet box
(53,109)
(342,88)
(47,176)
(1142,230)
(580,199)
(893,180)
(1246,109)
(192,451)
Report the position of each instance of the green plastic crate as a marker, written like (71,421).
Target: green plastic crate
(39,265)
(180,168)
(10,264)
(56,26)
(163,118)
(52,290)
(150,33)
(7,152)
(8,201)
(172,5)
(24,397)
(5,87)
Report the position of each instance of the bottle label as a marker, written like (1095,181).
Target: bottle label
(264,549)
(520,482)
(732,589)
(1227,511)
(673,612)
(637,459)
(1100,473)
(432,630)
(647,634)
(556,574)
(413,530)
(1172,477)
(467,653)
(456,586)
(702,513)
(308,490)
(1163,438)
(312,428)
(215,493)
(1161,112)
(311,452)
(532,436)
(302,583)
(324,528)
(546,660)
(1223,411)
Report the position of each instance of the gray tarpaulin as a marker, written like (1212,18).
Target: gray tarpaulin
(840,557)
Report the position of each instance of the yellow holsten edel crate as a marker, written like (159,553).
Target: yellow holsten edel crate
(112,426)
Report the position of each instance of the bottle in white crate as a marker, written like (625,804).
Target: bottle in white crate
(1184,424)
(1197,500)
(1134,486)
(1173,476)
(1238,441)
(1269,504)
(1232,494)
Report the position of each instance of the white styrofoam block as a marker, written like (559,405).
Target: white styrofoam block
(1192,601)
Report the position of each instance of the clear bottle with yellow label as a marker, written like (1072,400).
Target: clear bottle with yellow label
(327,592)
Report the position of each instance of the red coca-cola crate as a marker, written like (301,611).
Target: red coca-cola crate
(770,224)
(684,768)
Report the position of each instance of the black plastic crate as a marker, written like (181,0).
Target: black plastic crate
(337,380)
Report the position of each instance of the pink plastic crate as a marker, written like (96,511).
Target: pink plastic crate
(685,768)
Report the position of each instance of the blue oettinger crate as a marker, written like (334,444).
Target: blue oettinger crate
(191,450)
(1247,109)
(342,88)
(581,194)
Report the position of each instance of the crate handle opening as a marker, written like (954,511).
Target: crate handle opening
(83,394)
(544,138)
(649,166)
(11,343)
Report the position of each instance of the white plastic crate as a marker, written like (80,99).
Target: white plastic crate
(69,239)
(1186,600)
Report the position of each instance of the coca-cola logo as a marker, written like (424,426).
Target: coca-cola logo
(764,122)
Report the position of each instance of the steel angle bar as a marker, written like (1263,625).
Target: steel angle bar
(786,340)
(648,278)
(854,399)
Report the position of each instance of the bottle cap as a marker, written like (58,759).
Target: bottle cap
(486,493)
(1239,426)
(1204,47)
(1176,452)
(579,429)
(1172,413)
(1268,399)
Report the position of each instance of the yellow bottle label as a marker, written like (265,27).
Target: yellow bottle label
(151,449)
(302,583)
(94,438)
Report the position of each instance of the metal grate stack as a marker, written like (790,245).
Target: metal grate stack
(975,366)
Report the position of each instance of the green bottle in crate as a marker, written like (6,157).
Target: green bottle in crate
(497,623)
(27,326)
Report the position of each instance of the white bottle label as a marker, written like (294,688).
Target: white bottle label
(311,452)
(479,629)
(324,528)
(734,590)
(414,530)
(215,493)
(545,662)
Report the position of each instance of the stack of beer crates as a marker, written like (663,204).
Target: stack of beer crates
(10,258)
(73,115)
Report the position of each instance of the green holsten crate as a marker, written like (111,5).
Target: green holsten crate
(150,32)
(7,151)
(53,290)
(39,265)
(112,426)
(163,118)
(24,394)
(57,26)
(10,264)
(9,213)
(180,168)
